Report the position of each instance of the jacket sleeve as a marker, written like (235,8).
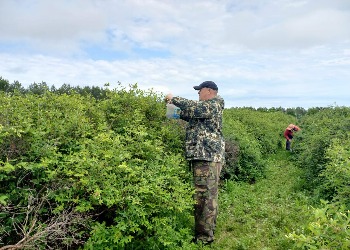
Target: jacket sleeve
(195,109)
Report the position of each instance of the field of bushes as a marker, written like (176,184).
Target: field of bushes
(96,168)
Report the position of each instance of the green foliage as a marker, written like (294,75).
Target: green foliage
(250,164)
(122,105)
(254,135)
(336,174)
(116,163)
(41,88)
(323,153)
(258,216)
(143,186)
(328,229)
(296,112)
(93,168)
(6,87)
(318,131)
(35,131)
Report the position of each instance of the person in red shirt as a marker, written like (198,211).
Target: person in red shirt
(288,134)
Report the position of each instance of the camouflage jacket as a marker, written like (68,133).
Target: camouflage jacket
(204,139)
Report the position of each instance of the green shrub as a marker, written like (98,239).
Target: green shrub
(318,131)
(336,174)
(110,171)
(329,229)
(266,127)
(36,130)
(251,136)
(250,164)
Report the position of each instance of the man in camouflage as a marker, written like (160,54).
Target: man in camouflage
(205,149)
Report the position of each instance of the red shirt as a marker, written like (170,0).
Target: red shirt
(288,134)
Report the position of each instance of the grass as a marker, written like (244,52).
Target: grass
(258,216)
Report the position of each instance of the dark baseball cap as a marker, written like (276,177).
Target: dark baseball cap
(206,84)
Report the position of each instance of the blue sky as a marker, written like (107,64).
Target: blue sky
(261,53)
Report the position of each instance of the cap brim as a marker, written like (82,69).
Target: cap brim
(197,87)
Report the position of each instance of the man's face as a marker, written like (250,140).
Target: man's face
(205,94)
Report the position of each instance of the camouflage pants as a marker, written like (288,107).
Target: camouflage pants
(206,179)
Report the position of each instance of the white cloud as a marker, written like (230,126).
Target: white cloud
(267,52)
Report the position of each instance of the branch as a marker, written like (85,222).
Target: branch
(56,229)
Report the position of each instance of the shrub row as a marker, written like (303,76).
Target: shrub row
(79,172)
(319,130)
(252,135)
(323,151)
